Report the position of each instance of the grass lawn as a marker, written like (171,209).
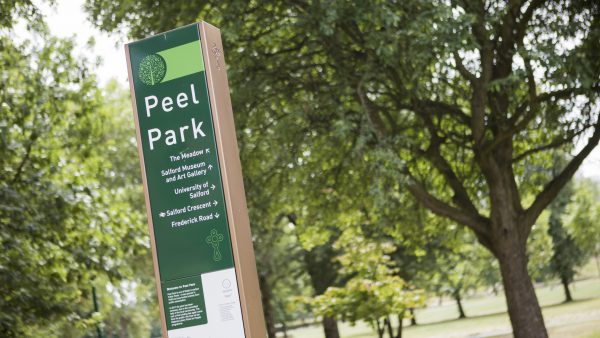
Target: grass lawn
(488,318)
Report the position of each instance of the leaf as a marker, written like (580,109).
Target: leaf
(153,69)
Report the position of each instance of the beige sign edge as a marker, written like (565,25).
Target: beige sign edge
(233,185)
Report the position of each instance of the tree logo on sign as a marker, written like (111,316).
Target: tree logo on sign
(152,69)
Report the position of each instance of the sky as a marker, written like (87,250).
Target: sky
(67,19)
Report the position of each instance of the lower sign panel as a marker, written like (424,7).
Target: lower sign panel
(212,306)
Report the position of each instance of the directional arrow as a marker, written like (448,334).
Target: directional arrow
(162,214)
(210,167)
(215,203)
(207,150)
(217,215)
(213,187)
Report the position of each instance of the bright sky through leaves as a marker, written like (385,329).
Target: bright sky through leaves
(68,19)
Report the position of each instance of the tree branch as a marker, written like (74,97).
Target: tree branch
(372,113)
(486,55)
(531,85)
(433,153)
(525,18)
(439,108)
(552,189)
(554,144)
(477,223)
(520,119)
(32,139)
(462,70)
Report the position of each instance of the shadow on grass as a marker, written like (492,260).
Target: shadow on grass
(492,314)
(574,301)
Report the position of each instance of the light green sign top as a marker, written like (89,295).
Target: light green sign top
(171,64)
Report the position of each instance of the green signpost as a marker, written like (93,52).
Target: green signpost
(205,290)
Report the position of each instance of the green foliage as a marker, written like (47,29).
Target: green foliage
(583,217)
(128,305)
(377,82)
(463,268)
(45,187)
(67,217)
(375,291)
(567,255)
(346,106)
(367,299)
(22,9)
(539,249)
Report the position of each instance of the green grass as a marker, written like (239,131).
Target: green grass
(590,269)
(488,318)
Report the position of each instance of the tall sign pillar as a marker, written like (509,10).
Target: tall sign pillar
(199,229)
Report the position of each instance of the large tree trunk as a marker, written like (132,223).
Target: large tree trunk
(330,327)
(523,308)
(265,291)
(565,283)
(508,242)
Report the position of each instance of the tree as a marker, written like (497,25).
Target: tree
(456,274)
(281,271)
(566,255)
(43,267)
(583,219)
(323,269)
(123,314)
(458,97)
(65,226)
(282,274)
(13,10)
(427,251)
(279,255)
(374,293)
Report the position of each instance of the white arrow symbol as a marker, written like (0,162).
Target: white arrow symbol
(217,215)
(213,187)
(207,150)
(210,167)
(162,214)
(215,203)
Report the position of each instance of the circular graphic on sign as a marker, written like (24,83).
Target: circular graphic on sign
(226,284)
(152,69)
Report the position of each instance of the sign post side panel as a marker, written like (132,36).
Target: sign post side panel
(225,133)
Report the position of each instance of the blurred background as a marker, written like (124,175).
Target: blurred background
(415,168)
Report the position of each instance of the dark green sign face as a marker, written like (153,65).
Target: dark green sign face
(183,177)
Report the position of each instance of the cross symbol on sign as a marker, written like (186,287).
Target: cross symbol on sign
(214,239)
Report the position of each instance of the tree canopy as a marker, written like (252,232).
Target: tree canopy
(66,190)
(380,142)
(463,101)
